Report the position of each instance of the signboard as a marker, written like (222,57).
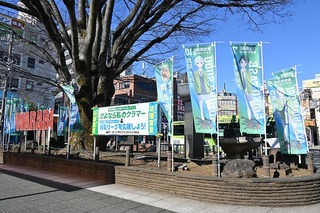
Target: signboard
(132,119)
(6,24)
(311,83)
(225,119)
(40,120)
(315,93)
(309,122)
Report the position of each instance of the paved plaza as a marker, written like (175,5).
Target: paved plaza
(27,190)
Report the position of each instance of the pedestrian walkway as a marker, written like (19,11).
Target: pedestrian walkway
(28,190)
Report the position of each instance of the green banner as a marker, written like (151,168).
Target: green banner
(202,80)
(284,98)
(164,78)
(248,74)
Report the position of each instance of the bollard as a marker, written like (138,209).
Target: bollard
(310,163)
(127,155)
(96,156)
(169,160)
(215,165)
(266,166)
(49,150)
(32,148)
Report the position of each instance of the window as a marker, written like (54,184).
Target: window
(33,36)
(16,58)
(31,63)
(29,85)
(120,100)
(4,34)
(14,84)
(124,84)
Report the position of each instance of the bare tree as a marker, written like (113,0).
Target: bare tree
(105,37)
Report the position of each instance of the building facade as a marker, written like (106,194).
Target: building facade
(227,103)
(132,89)
(24,72)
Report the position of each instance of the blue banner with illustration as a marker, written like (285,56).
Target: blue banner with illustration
(62,121)
(7,113)
(74,121)
(131,119)
(284,98)
(248,75)
(10,110)
(202,80)
(13,112)
(69,90)
(164,79)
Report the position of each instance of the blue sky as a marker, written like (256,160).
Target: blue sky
(296,42)
(293,43)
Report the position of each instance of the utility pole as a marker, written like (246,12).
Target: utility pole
(6,79)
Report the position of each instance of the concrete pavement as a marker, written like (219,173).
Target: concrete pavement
(28,190)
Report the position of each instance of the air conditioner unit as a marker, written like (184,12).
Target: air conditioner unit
(14,89)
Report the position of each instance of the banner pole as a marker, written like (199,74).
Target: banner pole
(264,102)
(25,140)
(4,112)
(172,108)
(49,133)
(217,114)
(68,142)
(9,118)
(159,134)
(94,146)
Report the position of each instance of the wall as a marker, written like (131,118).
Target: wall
(281,192)
(83,168)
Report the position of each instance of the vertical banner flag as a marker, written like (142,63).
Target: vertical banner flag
(284,97)
(74,121)
(62,121)
(202,80)
(10,115)
(164,78)
(13,113)
(7,116)
(248,75)
(75,124)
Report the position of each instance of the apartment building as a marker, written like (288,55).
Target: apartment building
(227,103)
(27,73)
(131,89)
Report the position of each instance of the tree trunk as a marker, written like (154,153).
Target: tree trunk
(105,91)
(83,140)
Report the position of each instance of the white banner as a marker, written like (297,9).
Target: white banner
(132,119)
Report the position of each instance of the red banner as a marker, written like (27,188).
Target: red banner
(40,120)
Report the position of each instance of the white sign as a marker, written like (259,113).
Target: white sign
(132,119)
